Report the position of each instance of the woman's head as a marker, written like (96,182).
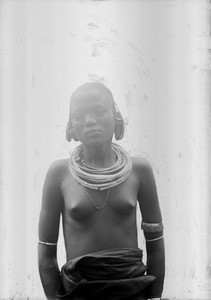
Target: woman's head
(93,115)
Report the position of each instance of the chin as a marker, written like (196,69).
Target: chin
(96,141)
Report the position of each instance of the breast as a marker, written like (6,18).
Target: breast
(77,204)
(122,201)
(83,204)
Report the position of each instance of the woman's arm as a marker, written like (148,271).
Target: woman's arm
(52,203)
(153,228)
(156,267)
(49,270)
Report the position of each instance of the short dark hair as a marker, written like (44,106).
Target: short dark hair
(95,85)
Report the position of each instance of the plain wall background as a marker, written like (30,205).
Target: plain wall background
(154,57)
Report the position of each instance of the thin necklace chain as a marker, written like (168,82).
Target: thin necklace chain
(92,201)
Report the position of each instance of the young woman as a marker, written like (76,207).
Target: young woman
(96,192)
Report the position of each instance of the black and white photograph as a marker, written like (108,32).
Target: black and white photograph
(105,150)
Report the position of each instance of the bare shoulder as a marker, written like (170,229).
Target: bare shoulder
(141,167)
(57,170)
(52,201)
(147,196)
(52,185)
(140,161)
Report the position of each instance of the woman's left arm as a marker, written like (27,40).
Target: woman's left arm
(152,226)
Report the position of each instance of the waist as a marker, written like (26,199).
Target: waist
(107,263)
(106,274)
(85,243)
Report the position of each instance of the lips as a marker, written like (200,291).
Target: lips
(92,132)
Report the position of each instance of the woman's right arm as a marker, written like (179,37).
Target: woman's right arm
(52,203)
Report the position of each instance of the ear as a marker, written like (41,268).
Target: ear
(70,133)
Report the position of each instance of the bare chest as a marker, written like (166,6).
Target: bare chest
(81,203)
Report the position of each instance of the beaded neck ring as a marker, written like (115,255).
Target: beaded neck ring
(100,178)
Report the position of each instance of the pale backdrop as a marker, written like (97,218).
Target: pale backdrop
(154,57)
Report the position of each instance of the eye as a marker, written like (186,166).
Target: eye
(77,116)
(99,110)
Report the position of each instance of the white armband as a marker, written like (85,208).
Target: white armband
(47,244)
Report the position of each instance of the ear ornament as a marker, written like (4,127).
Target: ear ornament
(70,132)
(119,127)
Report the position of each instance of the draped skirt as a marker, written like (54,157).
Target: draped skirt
(114,274)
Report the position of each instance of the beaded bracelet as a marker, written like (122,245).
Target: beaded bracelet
(152,227)
(47,244)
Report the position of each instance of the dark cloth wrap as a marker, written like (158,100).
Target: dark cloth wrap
(114,274)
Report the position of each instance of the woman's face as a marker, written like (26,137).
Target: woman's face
(92,117)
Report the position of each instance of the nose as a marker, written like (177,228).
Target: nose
(89,120)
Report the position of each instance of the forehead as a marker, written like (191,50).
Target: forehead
(90,97)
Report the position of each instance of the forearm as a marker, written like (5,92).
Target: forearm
(49,275)
(156,267)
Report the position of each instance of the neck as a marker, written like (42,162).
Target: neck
(102,156)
